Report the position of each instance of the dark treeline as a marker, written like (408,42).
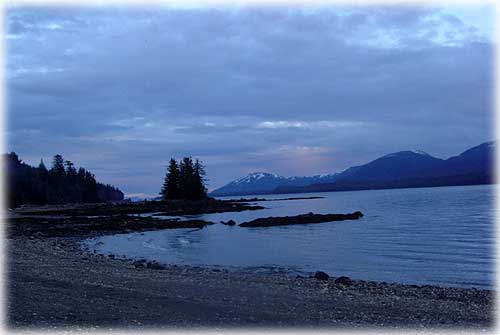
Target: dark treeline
(184,180)
(60,184)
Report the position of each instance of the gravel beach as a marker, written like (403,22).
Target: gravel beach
(53,283)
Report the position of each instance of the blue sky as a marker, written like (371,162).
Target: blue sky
(288,90)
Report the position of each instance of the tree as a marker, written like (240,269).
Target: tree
(42,184)
(80,176)
(90,188)
(186,179)
(41,167)
(171,182)
(70,171)
(57,180)
(58,165)
(200,190)
(37,185)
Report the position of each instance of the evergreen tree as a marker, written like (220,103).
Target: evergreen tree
(186,180)
(90,188)
(71,189)
(37,185)
(57,180)
(58,165)
(42,185)
(171,182)
(41,167)
(199,180)
(14,159)
(70,171)
(191,179)
(80,176)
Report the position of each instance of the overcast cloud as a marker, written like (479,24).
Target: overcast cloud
(294,91)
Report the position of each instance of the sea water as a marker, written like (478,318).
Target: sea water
(437,236)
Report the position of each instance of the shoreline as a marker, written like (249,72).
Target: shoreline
(351,190)
(54,283)
(273,270)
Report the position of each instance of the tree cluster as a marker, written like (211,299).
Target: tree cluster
(184,180)
(60,184)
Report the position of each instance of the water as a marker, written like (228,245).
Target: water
(438,236)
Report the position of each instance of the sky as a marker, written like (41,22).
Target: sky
(288,90)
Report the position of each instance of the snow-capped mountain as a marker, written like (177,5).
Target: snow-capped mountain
(263,182)
(412,168)
(256,177)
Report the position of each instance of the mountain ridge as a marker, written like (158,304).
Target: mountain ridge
(408,168)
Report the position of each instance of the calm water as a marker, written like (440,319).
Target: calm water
(438,236)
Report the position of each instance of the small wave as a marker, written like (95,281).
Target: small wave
(152,246)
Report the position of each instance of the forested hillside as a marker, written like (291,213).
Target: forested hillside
(60,184)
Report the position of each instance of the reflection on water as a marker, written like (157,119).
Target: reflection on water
(440,236)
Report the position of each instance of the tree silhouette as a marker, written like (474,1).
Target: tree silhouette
(41,167)
(39,186)
(184,180)
(58,165)
(171,182)
(199,180)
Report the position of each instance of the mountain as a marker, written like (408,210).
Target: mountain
(412,169)
(262,183)
(477,159)
(396,170)
(399,165)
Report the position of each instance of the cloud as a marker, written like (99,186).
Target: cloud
(307,125)
(120,90)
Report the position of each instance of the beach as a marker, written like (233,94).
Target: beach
(53,283)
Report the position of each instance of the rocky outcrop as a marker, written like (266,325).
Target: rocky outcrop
(344,281)
(301,219)
(228,223)
(320,275)
(85,226)
(163,208)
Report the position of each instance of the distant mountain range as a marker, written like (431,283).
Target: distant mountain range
(262,183)
(397,170)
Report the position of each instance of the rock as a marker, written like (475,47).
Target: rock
(301,219)
(320,275)
(229,223)
(299,277)
(138,264)
(358,214)
(154,266)
(344,281)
